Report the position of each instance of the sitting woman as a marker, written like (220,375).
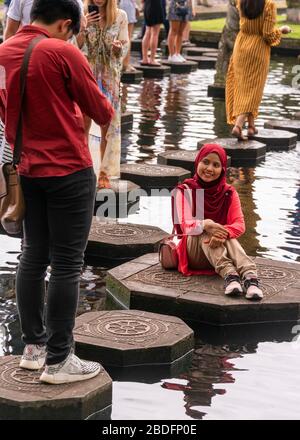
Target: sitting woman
(210,246)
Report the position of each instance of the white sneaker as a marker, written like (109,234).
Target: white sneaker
(70,370)
(232,285)
(174,59)
(34,357)
(251,286)
(181,58)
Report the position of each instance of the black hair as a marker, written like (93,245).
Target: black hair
(49,11)
(252,8)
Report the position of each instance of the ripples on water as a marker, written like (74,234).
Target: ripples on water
(237,372)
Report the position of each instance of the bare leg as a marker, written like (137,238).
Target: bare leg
(238,127)
(186,32)
(251,125)
(182,26)
(174,27)
(154,42)
(87,126)
(126,60)
(146,45)
(103,179)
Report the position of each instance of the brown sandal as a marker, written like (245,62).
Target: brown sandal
(252,131)
(237,132)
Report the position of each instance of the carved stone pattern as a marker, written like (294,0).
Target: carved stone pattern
(273,280)
(125,329)
(150,170)
(187,155)
(25,381)
(128,233)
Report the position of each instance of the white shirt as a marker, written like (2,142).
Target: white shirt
(19,10)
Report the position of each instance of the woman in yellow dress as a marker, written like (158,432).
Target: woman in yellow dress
(249,64)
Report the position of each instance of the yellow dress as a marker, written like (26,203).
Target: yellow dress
(249,64)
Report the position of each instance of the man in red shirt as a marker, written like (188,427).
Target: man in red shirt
(57,179)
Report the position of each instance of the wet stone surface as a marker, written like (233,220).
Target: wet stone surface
(132,337)
(24,397)
(199,51)
(143,284)
(276,139)
(181,158)
(122,241)
(204,62)
(214,91)
(242,153)
(116,202)
(185,67)
(154,71)
(132,77)
(149,176)
(285,124)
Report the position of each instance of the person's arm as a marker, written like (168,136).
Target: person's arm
(83,87)
(271,34)
(183,213)
(123,35)
(11,28)
(235,218)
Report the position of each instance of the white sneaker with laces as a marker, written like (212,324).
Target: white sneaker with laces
(34,357)
(174,59)
(232,285)
(181,58)
(72,369)
(252,289)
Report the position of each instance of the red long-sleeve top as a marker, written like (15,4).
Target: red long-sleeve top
(235,226)
(60,87)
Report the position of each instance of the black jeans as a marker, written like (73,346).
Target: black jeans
(59,212)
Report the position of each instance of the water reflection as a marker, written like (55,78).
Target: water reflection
(236,372)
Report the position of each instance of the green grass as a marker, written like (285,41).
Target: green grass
(217,25)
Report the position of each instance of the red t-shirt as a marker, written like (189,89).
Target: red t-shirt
(60,87)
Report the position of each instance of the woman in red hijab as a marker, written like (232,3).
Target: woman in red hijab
(207,215)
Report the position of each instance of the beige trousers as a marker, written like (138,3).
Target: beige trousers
(225,259)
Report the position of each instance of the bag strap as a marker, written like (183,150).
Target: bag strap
(23,74)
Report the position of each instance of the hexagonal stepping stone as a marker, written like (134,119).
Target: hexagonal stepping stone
(136,45)
(150,176)
(165,48)
(284,124)
(181,158)
(276,139)
(131,337)
(122,241)
(204,62)
(121,199)
(154,71)
(127,121)
(24,397)
(246,153)
(126,124)
(214,91)
(131,77)
(199,51)
(142,284)
(185,67)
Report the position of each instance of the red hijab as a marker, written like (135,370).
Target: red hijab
(217,194)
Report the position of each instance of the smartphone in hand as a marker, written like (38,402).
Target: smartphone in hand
(93,8)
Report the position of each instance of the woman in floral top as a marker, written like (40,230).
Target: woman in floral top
(105,41)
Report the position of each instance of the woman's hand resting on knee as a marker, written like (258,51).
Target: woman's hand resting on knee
(215,229)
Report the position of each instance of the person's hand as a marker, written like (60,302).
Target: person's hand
(285,29)
(117,46)
(91,18)
(215,229)
(137,13)
(215,242)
